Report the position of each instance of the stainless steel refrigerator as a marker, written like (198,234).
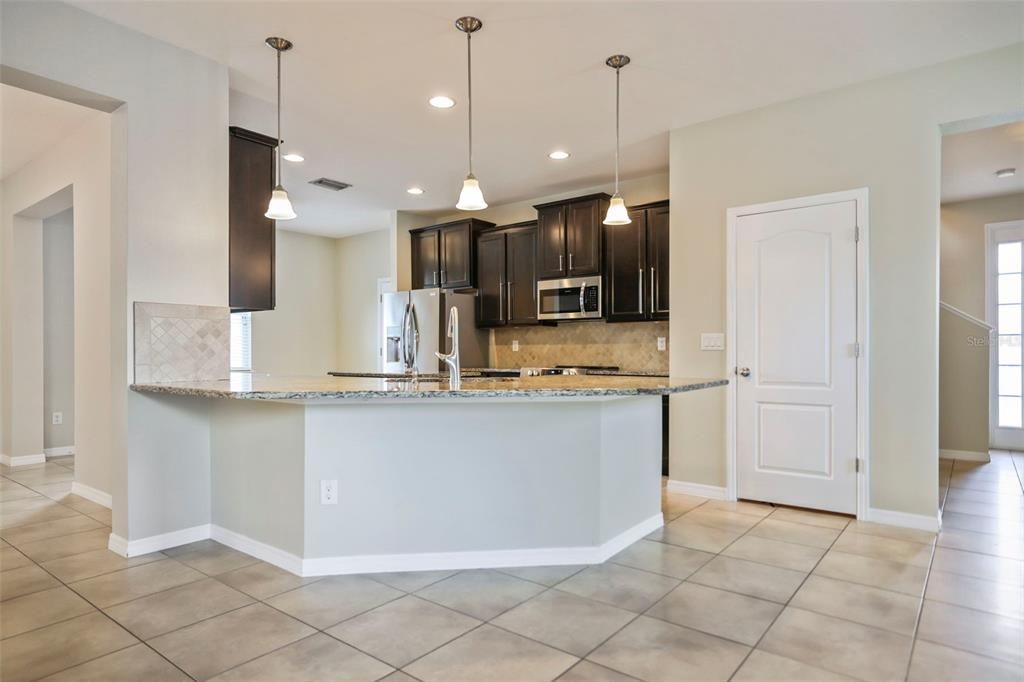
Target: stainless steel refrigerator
(415,327)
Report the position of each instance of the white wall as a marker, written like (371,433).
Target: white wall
(58,330)
(884,135)
(360,260)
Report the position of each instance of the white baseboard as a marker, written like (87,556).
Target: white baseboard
(968,455)
(155,543)
(260,550)
(895,518)
(22,460)
(91,494)
(62,451)
(712,492)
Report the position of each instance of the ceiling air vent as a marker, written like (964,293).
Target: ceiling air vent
(327,183)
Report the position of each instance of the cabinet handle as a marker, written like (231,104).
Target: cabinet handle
(652,290)
(560,262)
(508,298)
(640,292)
(501,300)
(444,277)
(570,262)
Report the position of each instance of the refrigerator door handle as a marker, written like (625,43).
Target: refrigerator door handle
(414,337)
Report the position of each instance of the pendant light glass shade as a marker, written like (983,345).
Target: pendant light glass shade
(280,205)
(471,198)
(617,213)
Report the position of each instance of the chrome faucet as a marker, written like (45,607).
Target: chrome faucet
(452,359)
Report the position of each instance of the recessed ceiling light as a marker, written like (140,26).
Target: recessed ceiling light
(414,190)
(558,155)
(1006,172)
(442,102)
(294,158)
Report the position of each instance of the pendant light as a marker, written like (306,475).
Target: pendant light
(617,213)
(471,198)
(280,205)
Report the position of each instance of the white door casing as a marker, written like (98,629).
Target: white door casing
(1004,310)
(796,420)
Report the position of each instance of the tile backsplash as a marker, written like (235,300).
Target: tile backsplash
(628,345)
(181,342)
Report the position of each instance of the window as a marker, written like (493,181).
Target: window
(1010,412)
(241,342)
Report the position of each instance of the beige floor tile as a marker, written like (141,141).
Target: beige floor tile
(106,517)
(39,609)
(410,581)
(719,518)
(1006,499)
(489,654)
(25,580)
(750,578)
(41,652)
(177,607)
(1002,486)
(9,490)
(620,586)
(888,575)
(862,604)
(838,645)
(652,649)
(983,633)
(565,621)
(674,505)
(975,593)
(757,509)
(212,646)
(482,594)
(131,583)
(762,666)
(215,559)
(981,524)
(196,546)
(333,599)
(95,563)
(797,533)
(51,512)
(314,659)
(937,663)
(585,671)
(54,491)
(775,553)
(133,664)
(80,504)
(25,504)
(397,676)
(66,545)
(998,545)
(995,510)
(12,558)
(923,537)
(263,580)
(812,518)
(725,614)
(47,473)
(695,536)
(986,566)
(543,575)
(879,547)
(49,529)
(659,557)
(401,631)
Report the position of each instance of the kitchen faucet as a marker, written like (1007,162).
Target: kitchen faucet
(452,359)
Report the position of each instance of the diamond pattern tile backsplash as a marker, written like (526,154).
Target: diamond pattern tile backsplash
(181,342)
(627,345)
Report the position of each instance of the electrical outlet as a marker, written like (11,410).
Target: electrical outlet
(515,345)
(328,492)
(662,343)
(714,341)
(58,418)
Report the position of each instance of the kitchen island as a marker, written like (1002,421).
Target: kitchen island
(329,475)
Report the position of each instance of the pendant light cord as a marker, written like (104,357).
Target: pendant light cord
(469,78)
(278,145)
(617,70)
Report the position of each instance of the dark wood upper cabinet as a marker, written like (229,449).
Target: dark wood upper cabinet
(569,237)
(636,257)
(251,235)
(506,276)
(491,278)
(443,255)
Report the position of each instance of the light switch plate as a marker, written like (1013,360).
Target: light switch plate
(328,492)
(661,343)
(58,418)
(714,341)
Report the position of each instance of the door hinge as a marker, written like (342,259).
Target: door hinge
(856,465)
(856,349)
(856,233)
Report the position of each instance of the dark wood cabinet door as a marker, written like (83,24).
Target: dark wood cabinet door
(625,260)
(583,236)
(251,235)
(491,280)
(521,266)
(551,256)
(657,262)
(426,271)
(457,256)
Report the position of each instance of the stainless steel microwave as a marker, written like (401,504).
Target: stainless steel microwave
(576,298)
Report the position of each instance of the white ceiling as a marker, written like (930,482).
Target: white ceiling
(31,124)
(970,161)
(357,83)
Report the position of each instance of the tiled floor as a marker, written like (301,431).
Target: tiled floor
(735,591)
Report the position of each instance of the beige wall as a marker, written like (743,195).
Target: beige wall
(883,135)
(58,330)
(360,261)
(300,335)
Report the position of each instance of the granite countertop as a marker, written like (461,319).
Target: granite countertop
(477,371)
(245,386)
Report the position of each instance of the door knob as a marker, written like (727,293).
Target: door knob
(743,371)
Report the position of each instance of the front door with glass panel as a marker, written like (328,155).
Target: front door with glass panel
(1005,300)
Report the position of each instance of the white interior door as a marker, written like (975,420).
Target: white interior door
(796,333)
(1004,294)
